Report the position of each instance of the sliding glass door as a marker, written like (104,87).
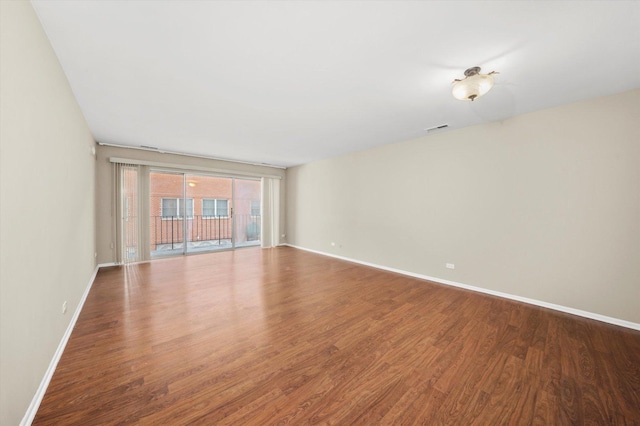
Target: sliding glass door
(192,213)
(168,210)
(211,225)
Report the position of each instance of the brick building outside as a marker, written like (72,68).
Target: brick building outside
(210,205)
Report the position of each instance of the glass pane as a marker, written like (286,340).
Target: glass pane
(208,208)
(222,208)
(169,207)
(190,207)
(247,223)
(194,213)
(208,229)
(166,229)
(255,207)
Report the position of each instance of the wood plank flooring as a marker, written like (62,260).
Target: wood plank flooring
(282,336)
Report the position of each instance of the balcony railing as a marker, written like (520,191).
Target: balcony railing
(167,232)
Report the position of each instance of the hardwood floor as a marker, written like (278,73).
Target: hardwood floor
(280,336)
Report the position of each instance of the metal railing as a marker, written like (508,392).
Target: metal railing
(169,231)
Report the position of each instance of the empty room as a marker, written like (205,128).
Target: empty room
(319,212)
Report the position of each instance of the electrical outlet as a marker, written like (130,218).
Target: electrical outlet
(450,266)
(64,307)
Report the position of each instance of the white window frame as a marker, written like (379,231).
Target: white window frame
(215,208)
(178,210)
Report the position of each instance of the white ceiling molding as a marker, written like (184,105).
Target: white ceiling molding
(189,168)
(162,151)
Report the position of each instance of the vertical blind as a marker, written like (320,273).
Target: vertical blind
(128,227)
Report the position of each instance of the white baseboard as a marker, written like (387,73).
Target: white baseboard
(566,309)
(37,398)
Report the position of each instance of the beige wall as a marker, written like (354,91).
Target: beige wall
(47,206)
(544,205)
(106,238)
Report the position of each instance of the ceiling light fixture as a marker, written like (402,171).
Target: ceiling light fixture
(473,85)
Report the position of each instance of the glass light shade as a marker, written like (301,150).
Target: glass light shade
(472,87)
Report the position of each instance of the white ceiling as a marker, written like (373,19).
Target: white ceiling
(286,83)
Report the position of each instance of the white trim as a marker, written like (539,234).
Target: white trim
(566,309)
(215,208)
(185,154)
(37,398)
(187,168)
(178,201)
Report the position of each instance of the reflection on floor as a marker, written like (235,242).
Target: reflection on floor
(163,250)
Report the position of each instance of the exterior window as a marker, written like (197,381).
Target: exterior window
(174,207)
(255,207)
(222,208)
(208,208)
(215,208)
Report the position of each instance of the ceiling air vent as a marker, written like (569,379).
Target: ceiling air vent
(440,127)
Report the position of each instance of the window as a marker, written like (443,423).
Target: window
(208,208)
(215,208)
(255,207)
(174,207)
(169,207)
